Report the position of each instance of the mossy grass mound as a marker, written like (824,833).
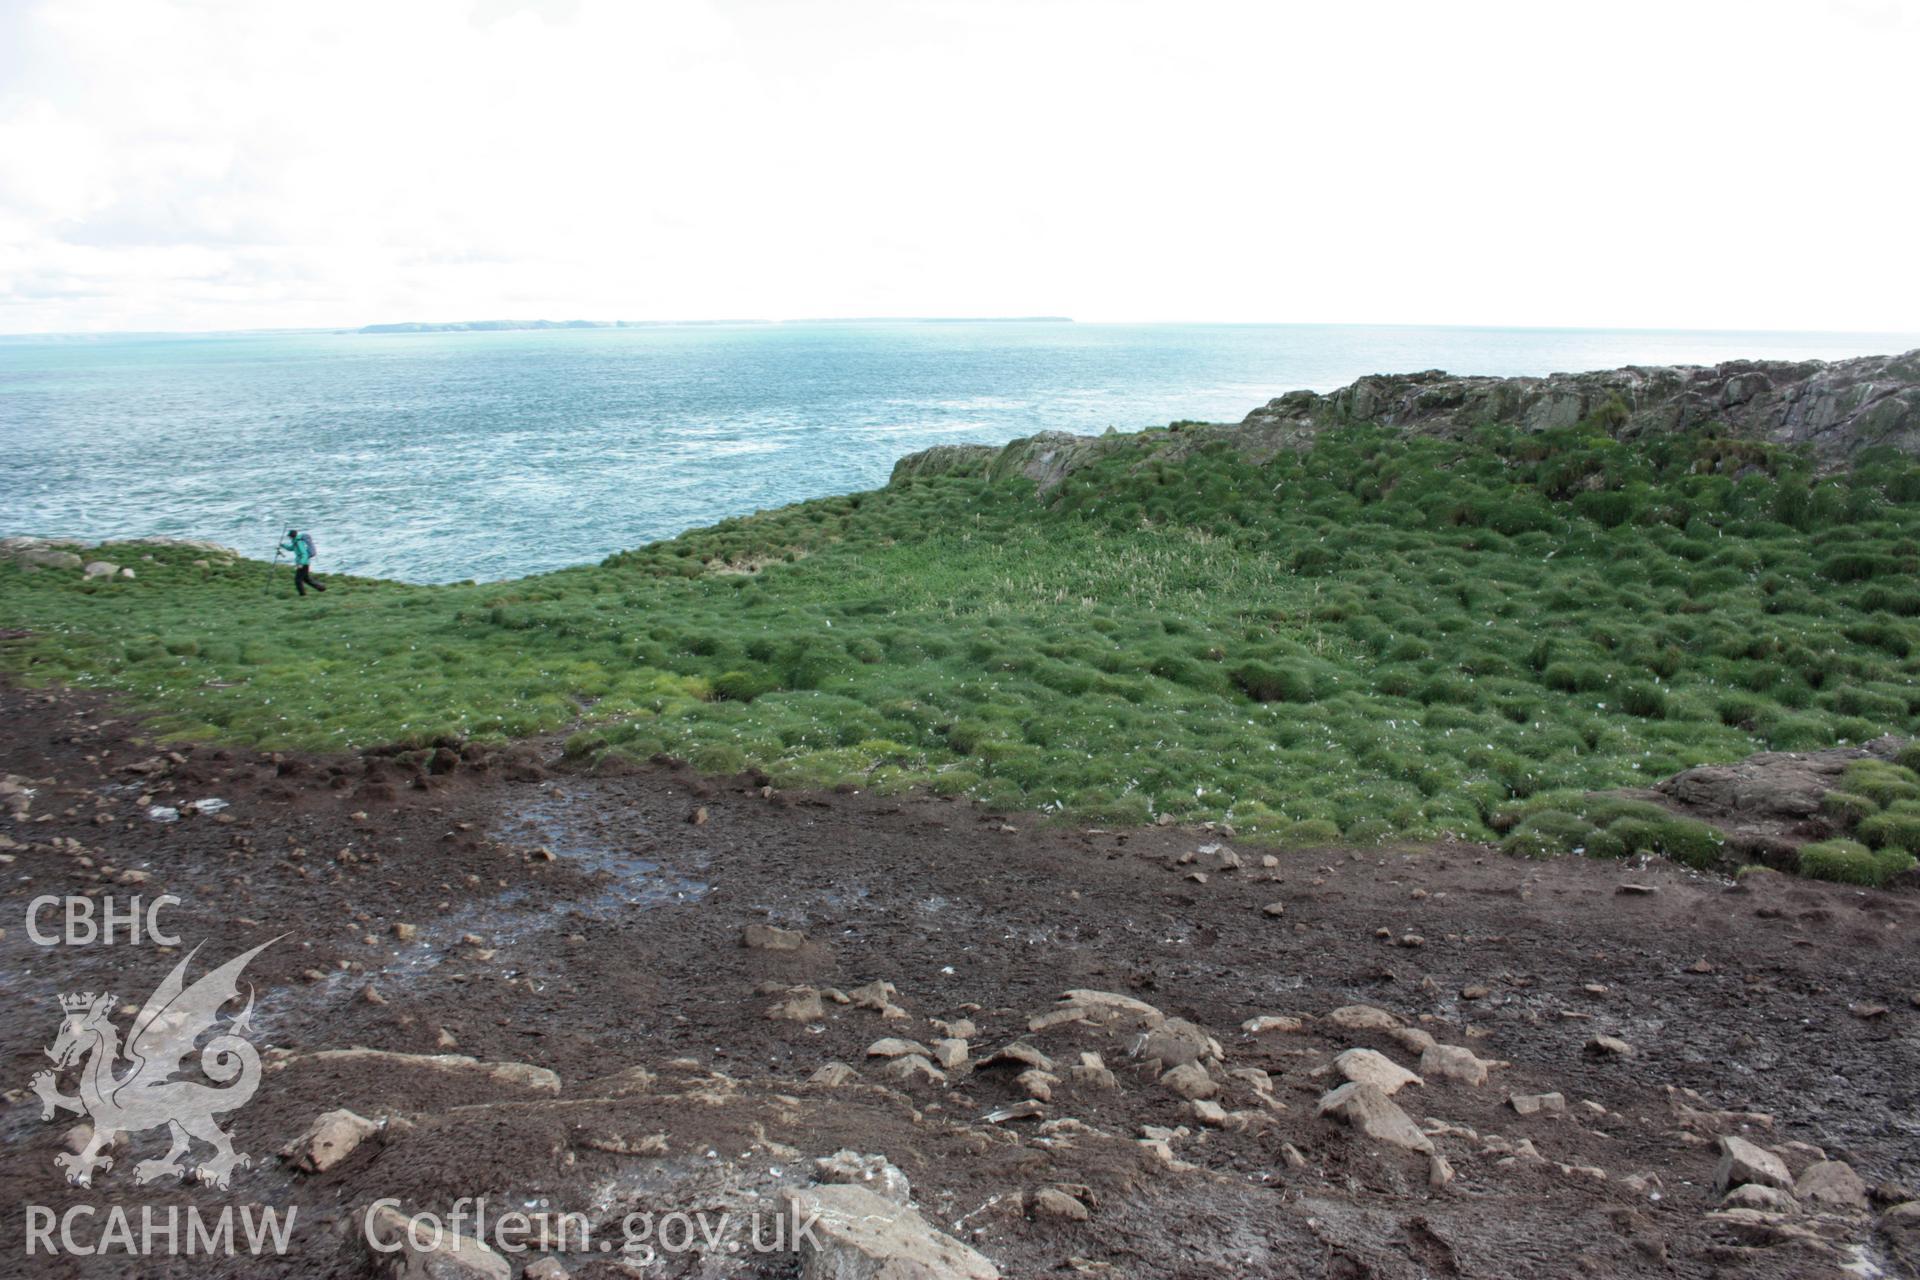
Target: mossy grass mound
(1851,862)
(1383,636)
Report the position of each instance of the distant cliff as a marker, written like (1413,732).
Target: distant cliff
(1835,409)
(489,326)
(497,326)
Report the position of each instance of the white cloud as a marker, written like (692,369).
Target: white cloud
(230,163)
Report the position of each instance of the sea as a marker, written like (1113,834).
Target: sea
(443,456)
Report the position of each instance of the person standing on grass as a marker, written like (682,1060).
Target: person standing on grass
(302,547)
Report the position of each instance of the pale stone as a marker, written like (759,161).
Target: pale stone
(328,1140)
(1742,1161)
(858,1235)
(1371,1067)
(1453,1062)
(1375,1114)
(1362,1017)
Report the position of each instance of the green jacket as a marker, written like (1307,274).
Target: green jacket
(301,548)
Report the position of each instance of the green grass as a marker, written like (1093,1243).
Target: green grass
(1380,636)
(1851,862)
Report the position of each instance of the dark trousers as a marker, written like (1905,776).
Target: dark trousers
(303,578)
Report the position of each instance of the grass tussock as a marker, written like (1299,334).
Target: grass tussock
(1380,637)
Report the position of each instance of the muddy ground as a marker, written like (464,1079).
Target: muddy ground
(498,906)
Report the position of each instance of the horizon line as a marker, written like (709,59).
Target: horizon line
(416,327)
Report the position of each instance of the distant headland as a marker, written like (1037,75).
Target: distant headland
(494,326)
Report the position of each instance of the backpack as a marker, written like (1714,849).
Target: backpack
(308,539)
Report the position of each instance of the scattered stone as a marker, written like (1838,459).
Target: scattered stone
(950,1053)
(1208,1112)
(833,1075)
(101,569)
(1362,1017)
(1867,1011)
(1412,1039)
(1037,1084)
(519,1074)
(1052,1202)
(1533,1104)
(874,1172)
(858,1235)
(1275,908)
(1016,1111)
(1477,991)
(698,817)
(1270,1022)
(44,558)
(1799,1155)
(877,996)
(652,1144)
(1611,1046)
(1742,1161)
(1047,1020)
(1217,857)
(1375,1114)
(767,937)
(1291,1154)
(892,1047)
(912,1066)
(546,1269)
(1453,1062)
(1092,1071)
(1107,1006)
(1021,1052)
(801,1005)
(1190,1080)
(1691,1117)
(1176,1042)
(447,1256)
(1832,1184)
(1370,1067)
(1752,1195)
(1637,889)
(1643,1184)
(1162,1154)
(1902,1219)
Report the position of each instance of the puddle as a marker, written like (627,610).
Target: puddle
(628,883)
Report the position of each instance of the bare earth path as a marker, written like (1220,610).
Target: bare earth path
(500,908)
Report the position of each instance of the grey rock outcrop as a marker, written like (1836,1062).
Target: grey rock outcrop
(1835,409)
(64,553)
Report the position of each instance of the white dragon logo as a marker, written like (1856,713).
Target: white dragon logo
(147,1097)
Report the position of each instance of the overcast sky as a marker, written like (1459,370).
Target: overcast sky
(205,164)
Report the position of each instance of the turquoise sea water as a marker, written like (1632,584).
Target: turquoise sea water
(437,457)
